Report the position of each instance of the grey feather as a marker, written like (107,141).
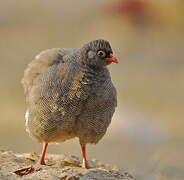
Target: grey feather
(67,97)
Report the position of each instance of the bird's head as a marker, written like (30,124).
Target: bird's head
(98,53)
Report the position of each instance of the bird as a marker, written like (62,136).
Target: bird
(69,94)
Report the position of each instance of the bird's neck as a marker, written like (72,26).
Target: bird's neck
(95,74)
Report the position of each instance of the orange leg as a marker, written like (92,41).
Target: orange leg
(42,158)
(84,160)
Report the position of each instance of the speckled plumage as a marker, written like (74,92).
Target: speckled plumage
(68,95)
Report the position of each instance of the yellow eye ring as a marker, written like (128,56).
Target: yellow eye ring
(101,53)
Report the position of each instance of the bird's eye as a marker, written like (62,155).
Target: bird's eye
(101,53)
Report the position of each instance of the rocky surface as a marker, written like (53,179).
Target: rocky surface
(59,167)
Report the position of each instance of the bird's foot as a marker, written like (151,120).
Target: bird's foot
(42,158)
(42,162)
(85,164)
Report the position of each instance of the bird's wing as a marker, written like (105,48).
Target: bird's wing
(40,64)
(54,94)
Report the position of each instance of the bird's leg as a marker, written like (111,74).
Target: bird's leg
(84,160)
(42,158)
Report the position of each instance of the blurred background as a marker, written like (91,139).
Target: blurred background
(146,135)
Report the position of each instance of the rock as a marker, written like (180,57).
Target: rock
(59,167)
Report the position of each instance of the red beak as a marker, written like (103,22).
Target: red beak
(112,59)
